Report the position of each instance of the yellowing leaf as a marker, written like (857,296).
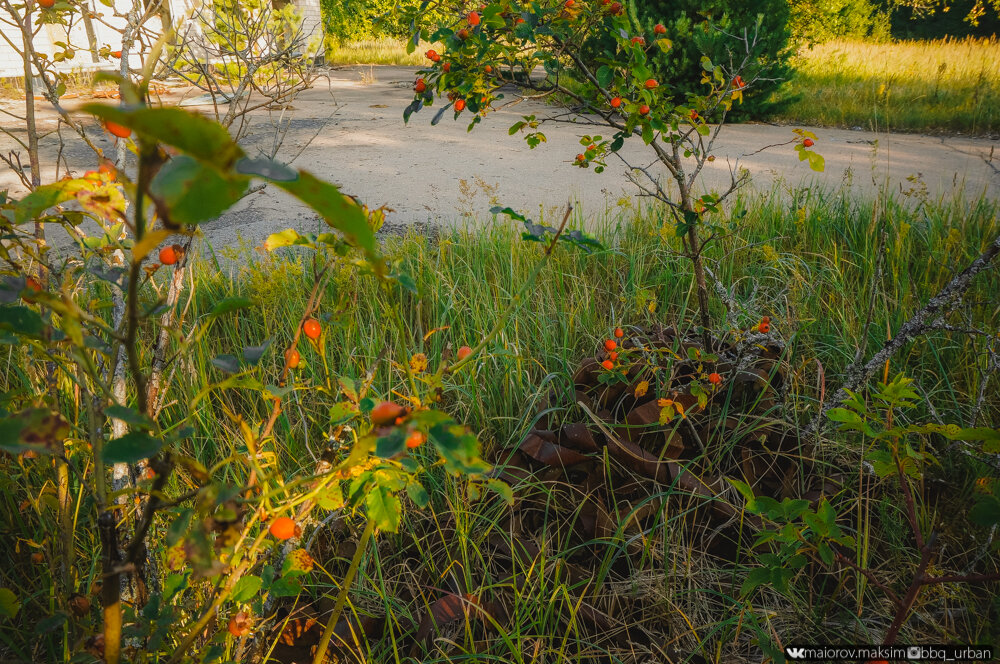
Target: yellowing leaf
(641,389)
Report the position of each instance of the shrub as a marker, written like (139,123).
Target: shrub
(708,28)
(346,20)
(822,20)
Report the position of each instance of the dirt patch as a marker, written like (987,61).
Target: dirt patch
(352,133)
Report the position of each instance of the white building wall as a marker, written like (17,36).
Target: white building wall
(312,21)
(10,61)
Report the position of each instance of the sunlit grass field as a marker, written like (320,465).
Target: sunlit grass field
(943,85)
(380,51)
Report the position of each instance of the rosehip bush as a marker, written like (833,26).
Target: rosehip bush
(541,47)
(188,552)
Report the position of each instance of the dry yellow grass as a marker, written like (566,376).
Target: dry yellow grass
(949,85)
(381,51)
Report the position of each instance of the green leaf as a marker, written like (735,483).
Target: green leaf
(406,281)
(758,577)
(252,354)
(384,508)
(175,583)
(190,132)
(743,488)
(129,416)
(412,108)
(604,75)
(825,553)
(9,604)
(266,168)
(792,509)
(287,586)
(457,447)
(230,304)
(337,210)
(986,512)
(50,624)
(178,526)
(187,191)
(227,363)
(417,494)
(131,447)
(390,445)
(647,134)
(22,321)
(246,588)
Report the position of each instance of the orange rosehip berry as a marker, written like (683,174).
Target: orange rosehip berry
(473,18)
(283,528)
(808,143)
(608,364)
(616,102)
(464,352)
(460,105)
(415,439)
(292,358)
(610,345)
(168,255)
(118,130)
(386,412)
(714,378)
(660,29)
(420,85)
(239,624)
(644,110)
(619,332)
(312,328)
(446,67)
(612,356)
(650,83)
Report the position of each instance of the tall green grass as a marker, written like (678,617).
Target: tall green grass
(940,85)
(807,258)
